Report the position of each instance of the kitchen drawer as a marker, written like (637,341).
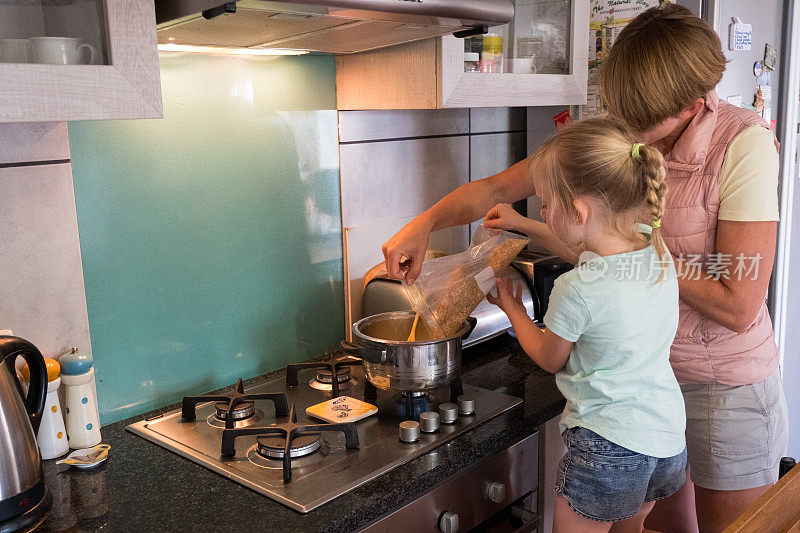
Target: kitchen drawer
(465,498)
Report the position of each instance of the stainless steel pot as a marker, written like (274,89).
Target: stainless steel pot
(392,363)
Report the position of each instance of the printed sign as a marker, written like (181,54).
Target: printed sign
(740,36)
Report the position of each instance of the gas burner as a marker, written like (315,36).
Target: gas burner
(302,445)
(240,412)
(328,367)
(324,375)
(285,436)
(236,405)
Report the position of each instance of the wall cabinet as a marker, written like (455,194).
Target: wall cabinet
(77,60)
(544,62)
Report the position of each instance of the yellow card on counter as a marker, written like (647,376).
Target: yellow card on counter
(342,409)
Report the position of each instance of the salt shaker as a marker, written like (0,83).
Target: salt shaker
(52,436)
(83,426)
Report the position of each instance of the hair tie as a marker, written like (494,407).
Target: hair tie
(656,224)
(635,150)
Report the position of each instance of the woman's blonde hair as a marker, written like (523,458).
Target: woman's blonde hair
(601,158)
(660,64)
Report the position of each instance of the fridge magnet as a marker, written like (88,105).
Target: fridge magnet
(770,56)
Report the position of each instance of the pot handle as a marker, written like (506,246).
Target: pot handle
(472,321)
(370,355)
(10,348)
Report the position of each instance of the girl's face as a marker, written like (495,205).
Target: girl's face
(563,224)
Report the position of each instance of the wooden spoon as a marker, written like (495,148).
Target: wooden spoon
(413,335)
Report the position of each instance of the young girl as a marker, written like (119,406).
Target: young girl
(609,326)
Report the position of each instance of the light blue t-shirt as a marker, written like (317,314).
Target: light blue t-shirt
(618,381)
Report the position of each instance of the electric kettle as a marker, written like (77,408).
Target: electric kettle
(24,499)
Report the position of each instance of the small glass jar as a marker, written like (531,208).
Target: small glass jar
(471,62)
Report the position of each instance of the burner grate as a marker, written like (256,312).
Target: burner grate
(288,431)
(330,363)
(237,402)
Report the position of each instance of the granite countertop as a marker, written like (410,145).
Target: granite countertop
(143,487)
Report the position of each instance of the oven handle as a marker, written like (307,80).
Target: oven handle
(531,520)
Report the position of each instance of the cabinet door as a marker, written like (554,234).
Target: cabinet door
(544,59)
(78,60)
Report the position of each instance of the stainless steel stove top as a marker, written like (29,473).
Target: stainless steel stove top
(331,470)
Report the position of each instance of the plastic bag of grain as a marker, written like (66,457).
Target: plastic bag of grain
(451,287)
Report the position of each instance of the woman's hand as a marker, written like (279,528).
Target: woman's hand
(405,251)
(503,216)
(509,300)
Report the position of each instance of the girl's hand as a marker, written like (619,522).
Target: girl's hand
(503,216)
(509,300)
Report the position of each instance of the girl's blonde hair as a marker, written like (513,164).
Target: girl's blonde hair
(660,64)
(601,158)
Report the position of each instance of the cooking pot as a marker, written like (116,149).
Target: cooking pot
(393,363)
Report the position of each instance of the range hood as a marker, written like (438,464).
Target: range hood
(336,26)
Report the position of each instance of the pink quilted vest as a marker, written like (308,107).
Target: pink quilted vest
(703,350)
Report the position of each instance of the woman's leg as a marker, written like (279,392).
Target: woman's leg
(565,520)
(717,509)
(675,513)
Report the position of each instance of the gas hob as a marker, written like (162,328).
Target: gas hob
(323,463)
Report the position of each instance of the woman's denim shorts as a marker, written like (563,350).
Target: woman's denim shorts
(603,481)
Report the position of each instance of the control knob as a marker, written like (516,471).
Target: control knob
(497,492)
(448,523)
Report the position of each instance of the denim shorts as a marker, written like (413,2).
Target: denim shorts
(606,482)
(736,435)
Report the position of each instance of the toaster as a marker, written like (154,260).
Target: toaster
(534,271)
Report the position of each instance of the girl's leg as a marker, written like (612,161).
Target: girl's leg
(717,509)
(675,513)
(565,520)
(634,524)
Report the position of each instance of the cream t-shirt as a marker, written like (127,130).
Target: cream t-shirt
(748,180)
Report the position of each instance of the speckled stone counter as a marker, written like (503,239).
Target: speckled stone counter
(145,488)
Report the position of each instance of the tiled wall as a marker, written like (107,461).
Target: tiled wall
(211,239)
(396,164)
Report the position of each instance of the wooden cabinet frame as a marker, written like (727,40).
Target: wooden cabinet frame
(129,87)
(430,74)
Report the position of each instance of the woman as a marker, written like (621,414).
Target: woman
(720,223)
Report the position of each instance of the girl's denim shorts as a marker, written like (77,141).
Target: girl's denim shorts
(606,482)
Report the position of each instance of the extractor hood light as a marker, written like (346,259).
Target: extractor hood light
(218,50)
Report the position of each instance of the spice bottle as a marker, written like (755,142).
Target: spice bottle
(52,435)
(492,59)
(83,426)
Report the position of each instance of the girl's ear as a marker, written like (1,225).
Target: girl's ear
(581,210)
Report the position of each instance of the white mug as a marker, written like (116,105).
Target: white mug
(62,51)
(15,51)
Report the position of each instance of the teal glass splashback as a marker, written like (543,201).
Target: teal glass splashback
(211,239)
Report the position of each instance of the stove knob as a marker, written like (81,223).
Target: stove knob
(448,523)
(497,492)
(409,431)
(429,422)
(448,413)
(466,405)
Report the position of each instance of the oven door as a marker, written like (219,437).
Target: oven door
(499,494)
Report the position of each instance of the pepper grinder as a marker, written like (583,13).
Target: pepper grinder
(83,426)
(52,436)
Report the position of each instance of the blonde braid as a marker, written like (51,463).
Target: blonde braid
(654,174)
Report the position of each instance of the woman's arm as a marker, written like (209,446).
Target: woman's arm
(735,298)
(405,251)
(544,347)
